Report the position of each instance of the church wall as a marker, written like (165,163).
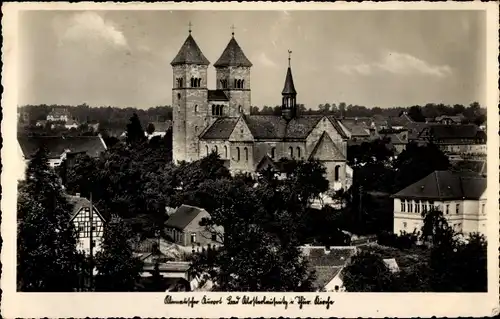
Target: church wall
(220,146)
(190,111)
(236,97)
(324,125)
(244,164)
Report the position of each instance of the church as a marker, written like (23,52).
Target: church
(220,120)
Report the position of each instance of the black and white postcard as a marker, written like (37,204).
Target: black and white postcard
(250,159)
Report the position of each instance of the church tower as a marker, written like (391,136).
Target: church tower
(233,77)
(189,100)
(289,95)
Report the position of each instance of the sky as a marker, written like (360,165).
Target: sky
(370,58)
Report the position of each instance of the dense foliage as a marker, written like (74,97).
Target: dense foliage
(263,226)
(47,257)
(118,269)
(451,263)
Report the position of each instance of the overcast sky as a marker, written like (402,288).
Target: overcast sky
(371,58)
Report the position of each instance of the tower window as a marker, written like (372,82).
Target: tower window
(337,172)
(237,153)
(298,152)
(196,129)
(246,154)
(235,83)
(213,109)
(179,82)
(239,108)
(195,82)
(225,151)
(178,96)
(216,150)
(291,152)
(206,149)
(273,152)
(196,108)
(223,83)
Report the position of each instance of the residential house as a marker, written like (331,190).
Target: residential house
(450,119)
(184,228)
(327,263)
(465,139)
(80,217)
(358,129)
(58,147)
(398,139)
(461,198)
(160,128)
(59,114)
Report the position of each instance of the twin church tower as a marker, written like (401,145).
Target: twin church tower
(219,120)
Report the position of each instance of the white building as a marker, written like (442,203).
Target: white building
(461,198)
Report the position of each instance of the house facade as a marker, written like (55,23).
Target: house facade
(81,219)
(466,139)
(59,114)
(219,120)
(461,198)
(184,228)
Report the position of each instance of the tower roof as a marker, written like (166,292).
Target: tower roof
(190,53)
(233,56)
(289,87)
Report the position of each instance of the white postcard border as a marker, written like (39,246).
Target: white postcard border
(37,305)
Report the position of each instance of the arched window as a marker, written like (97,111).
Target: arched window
(178,96)
(196,129)
(246,154)
(216,150)
(225,151)
(291,152)
(237,153)
(221,110)
(242,84)
(337,172)
(196,108)
(206,148)
(239,108)
(235,83)
(199,82)
(213,109)
(298,152)
(273,152)
(192,82)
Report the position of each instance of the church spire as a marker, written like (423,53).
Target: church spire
(190,52)
(289,94)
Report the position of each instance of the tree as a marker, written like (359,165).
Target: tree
(135,133)
(150,129)
(415,113)
(367,272)
(118,269)
(416,162)
(47,256)
(262,225)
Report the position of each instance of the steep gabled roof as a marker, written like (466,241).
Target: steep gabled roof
(445,185)
(190,53)
(221,129)
(289,87)
(81,202)
(452,131)
(57,145)
(233,56)
(217,95)
(183,216)
(321,148)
